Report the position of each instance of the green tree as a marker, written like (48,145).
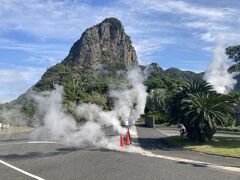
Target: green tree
(74,90)
(174,102)
(154,83)
(233,53)
(96,98)
(156,100)
(203,112)
(200,109)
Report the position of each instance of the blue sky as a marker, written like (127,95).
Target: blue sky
(36,34)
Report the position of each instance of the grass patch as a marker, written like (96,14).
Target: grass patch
(227,146)
(229,128)
(13,129)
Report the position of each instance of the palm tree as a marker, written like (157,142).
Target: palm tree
(174,102)
(203,112)
(200,109)
(196,87)
(156,100)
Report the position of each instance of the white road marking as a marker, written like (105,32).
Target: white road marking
(43,142)
(22,171)
(4,144)
(168,132)
(31,142)
(137,150)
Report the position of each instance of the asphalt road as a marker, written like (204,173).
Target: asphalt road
(58,162)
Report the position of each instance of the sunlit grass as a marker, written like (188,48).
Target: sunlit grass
(13,129)
(227,146)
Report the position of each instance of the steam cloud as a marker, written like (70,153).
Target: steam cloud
(129,104)
(13,116)
(217,74)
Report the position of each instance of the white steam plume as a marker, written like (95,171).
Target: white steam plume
(130,103)
(57,125)
(217,74)
(13,116)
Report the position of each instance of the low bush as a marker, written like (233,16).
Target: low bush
(160,118)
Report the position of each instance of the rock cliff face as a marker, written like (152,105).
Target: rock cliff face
(104,47)
(104,42)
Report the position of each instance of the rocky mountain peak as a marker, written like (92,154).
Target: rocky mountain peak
(105,42)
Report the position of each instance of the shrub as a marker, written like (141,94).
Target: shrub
(160,118)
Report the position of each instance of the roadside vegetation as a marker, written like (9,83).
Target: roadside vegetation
(196,105)
(226,146)
(174,96)
(13,129)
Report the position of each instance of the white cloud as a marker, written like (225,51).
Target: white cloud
(183,7)
(68,19)
(16,81)
(146,46)
(206,25)
(212,21)
(144,20)
(62,19)
(208,49)
(43,48)
(208,37)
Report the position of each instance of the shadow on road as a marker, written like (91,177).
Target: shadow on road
(156,144)
(56,152)
(151,139)
(30,155)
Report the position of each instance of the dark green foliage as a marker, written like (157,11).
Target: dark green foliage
(87,85)
(128,40)
(73,94)
(237,85)
(233,53)
(235,96)
(54,75)
(112,66)
(160,117)
(174,102)
(203,112)
(98,99)
(156,100)
(200,109)
(154,83)
(183,75)
(169,82)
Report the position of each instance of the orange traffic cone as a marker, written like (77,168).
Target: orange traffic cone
(128,131)
(122,145)
(128,138)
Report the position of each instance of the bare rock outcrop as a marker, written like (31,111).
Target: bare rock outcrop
(104,42)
